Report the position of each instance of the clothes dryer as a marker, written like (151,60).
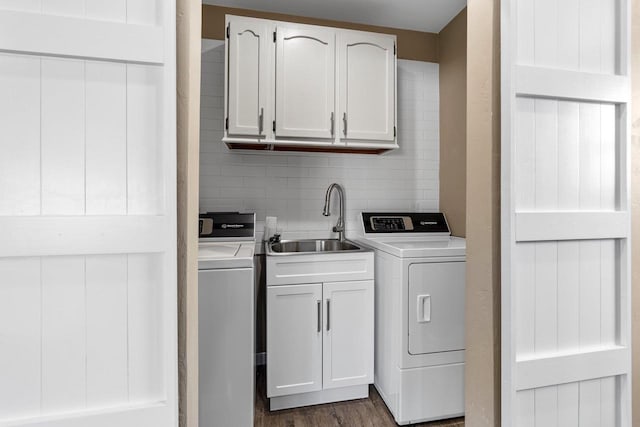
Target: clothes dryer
(420,316)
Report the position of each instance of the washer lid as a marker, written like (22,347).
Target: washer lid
(212,255)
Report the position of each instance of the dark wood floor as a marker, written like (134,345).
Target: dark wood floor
(371,412)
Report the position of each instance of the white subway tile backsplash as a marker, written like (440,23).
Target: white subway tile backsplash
(291,186)
(241,170)
(211,101)
(287,171)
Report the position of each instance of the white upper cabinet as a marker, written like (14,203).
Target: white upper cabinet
(366,73)
(305,74)
(294,85)
(249,76)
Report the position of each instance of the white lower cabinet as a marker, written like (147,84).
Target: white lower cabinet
(319,342)
(348,334)
(294,339)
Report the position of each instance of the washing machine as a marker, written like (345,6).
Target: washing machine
(419,314)
(226,319)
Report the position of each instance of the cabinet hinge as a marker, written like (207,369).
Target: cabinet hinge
(228,31)
(226,123)
(274,36)
(274,125)
(394,131)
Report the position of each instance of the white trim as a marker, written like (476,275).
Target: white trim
(624,203)
(546,226)
(82,234)
(507,210)
(148,414)
(39,34)
(552,83)
(319,397)
(563,369)
(170,288)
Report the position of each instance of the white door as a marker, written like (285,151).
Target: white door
(566,338)
(87,213)
(436,307)
(294,339)
(305,92)
(248,43)
(367,85)
(348,336)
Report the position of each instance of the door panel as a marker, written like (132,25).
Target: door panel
(248,76)
(294,339)
(87,174)
(436,307)
(367,86)
(305,92)
(348,332)
(565,292)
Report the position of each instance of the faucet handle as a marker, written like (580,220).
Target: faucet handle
(274,239)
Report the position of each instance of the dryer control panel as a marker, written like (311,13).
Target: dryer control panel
(385,222)
(227,225)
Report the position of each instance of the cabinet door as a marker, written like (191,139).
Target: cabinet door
(348,334)
(248,76)
(294,339)
(305,91)
(367,69)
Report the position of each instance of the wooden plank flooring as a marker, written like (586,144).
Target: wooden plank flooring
(371,412)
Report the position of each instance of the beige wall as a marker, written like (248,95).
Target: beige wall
(482,374)
(635,205)
(452,48)
(188,50)
(413,45)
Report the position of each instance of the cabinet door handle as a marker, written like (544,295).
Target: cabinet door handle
(319,315)
(332,125)
(328,314)
(344,124)
(261,121)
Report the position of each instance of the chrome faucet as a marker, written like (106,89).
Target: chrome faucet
(339,227)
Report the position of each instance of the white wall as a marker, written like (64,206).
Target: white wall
(292,186)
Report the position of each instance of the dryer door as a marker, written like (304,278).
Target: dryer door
(436,307)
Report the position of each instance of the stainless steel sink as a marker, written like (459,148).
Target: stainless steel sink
(289,247)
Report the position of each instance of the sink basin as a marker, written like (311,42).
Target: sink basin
(289,247)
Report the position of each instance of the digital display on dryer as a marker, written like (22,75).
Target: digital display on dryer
(388,223)
(404,222)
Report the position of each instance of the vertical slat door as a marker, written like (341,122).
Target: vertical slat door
(87,213)
(566,339)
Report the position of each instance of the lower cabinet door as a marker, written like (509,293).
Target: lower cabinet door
(348,334)
(294,339)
